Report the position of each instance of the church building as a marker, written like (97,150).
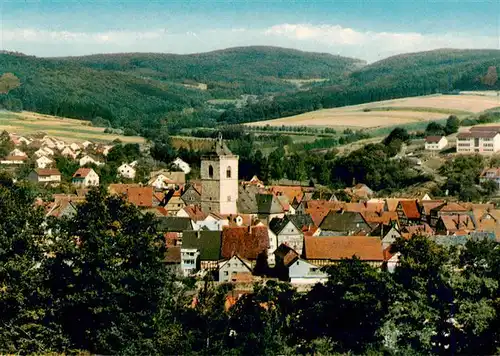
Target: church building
(219,179)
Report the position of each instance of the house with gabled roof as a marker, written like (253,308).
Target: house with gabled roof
(191,195)
(408,212)
(193,212)
(268,207)
(446,208)
(13,160)
(85,177)
(435,143)
(43,162)
(288,230)
(200,250)
(230,268)
(88,159)
(68,152)
(425,209)
(126,171)
(17,153)
(328,250)
(454,224)
(388,234)
(45,176)
(134,193)
(247,242)
(344,223)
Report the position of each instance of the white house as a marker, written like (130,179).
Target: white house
(479,139)
(126,171)
(85,177)
(68,152)
(183,166)
(213,222)
(492,174)
(48,142)
(303,272)
(229,268)
(86,144)
(13,160)
(162,182)
(435,143)
(89,160)
(41,152)
(75,147)
(43,162)
(52,176)
(17,153)
(60,145)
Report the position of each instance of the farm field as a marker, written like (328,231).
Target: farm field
(69,130)
(390,112)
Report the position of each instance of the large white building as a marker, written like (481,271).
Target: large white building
(479,139)
(219,180)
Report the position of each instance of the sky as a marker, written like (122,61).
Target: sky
(365,29)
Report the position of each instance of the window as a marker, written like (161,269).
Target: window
(226,273)
(210,171)
(228,172)
(228,198)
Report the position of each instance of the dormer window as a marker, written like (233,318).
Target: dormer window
(210,171)
(228,172)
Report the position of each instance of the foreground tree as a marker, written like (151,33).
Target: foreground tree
(106,276)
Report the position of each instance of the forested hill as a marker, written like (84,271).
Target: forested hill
(439,71)
(229,72)
(141,91)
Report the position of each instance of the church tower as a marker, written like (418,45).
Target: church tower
(219,180)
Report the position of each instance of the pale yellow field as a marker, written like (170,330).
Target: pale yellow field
(69,130)
(390,112)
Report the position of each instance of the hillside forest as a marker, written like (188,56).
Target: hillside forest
(147,92)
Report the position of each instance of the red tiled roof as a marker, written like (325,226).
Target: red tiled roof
(47,172)
(477,134)
(290,191)
(410,209)
(82,172)
(172,238)
(433,139)
(246,242)
(491,172)
(195,213)
(137,195)
(337,247)
(15,158)
(450,207)
(173,254)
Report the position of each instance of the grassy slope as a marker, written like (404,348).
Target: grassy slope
(69,130)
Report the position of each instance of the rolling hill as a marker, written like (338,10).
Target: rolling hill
(138,91)
(401,76)
(144,92)
(228,72)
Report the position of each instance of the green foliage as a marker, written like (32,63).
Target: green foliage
(8,81)
(462,175)
(6,144)
(435,129)
(452,125)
